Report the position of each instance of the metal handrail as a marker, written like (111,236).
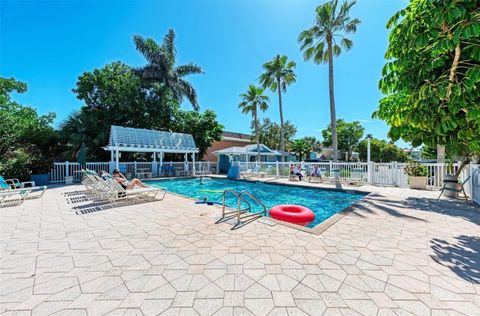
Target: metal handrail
(255,199)
(231,212)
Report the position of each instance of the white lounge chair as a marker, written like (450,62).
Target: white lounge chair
(251,172)
(16,190)
(109,189)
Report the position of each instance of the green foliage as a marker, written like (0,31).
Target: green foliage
(161,70)
(324,40)
(428,152)
(115,94)
(204,128)
(252,101)
(278,74)
(415,169)
(315,144)
(300,147)
(349,135)
(269,133)
(27,140)
(381,151)
(331,25)
(432,75)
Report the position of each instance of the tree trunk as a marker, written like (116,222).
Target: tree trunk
(453,71)
(256,133)
(440,154)
(333,116)
(462,165)
(282,135)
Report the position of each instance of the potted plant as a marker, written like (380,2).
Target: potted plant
(417,175)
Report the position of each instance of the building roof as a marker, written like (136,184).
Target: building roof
(148,140)
(236,137)
(249,149)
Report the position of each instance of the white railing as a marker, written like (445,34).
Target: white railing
(473,185)
(383,174)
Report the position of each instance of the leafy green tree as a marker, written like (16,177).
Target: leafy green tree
(325,39)
(428,152)
(161,68)
(204,128)
(269,133)
(113,94)
(381,151)
(432,75)
(251,102)
(278,74)
(300,147)
(349,135)
(28,141)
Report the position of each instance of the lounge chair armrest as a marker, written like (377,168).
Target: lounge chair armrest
(13,182)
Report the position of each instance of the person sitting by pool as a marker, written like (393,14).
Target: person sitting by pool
(315,173)
(297,171)
(126,185)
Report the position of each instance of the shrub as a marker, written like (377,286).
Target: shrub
(414,169)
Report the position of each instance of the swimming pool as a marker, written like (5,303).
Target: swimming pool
(324,203)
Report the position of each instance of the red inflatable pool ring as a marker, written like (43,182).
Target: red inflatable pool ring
(295,214)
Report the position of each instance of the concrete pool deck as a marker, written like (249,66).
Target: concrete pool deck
(399,253)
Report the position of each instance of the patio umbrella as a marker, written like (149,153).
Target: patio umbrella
(82,155)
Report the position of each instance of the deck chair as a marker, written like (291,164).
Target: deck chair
(115,192)
(462,188)
(11,197)
(253,172)
(266,172)
(15,186)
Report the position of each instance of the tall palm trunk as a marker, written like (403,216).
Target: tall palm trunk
(333,116)
(256,132)
(282,135)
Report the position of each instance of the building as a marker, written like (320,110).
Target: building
(247,153)
(229,139)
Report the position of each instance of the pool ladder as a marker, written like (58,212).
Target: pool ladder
(240,213)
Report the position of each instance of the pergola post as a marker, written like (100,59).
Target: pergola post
(161,162)
(193,163)
(154,164)
(117,159)
(185,162)
(111,165)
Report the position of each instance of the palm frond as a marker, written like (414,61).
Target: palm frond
(189,92)
(168,45)
(346,43)
(188,69)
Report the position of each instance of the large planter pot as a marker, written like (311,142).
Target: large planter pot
(452,187)
(419,183)
(40,179)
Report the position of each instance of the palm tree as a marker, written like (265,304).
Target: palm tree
(324,40)
(300,147)
(252,101)
(279,73)
(161,67)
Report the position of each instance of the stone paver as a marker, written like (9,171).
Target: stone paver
(399,252)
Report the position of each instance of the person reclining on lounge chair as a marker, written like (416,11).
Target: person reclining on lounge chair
(296,171)
(315,173)
(126,185)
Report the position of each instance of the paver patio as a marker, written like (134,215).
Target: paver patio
(399,253)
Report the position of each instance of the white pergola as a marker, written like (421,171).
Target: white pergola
(127,139)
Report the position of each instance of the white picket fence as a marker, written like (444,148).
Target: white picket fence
(383,174)
(61,170)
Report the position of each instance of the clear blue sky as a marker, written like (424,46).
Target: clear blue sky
(49,44)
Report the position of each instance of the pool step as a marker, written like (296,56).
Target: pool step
(240,213)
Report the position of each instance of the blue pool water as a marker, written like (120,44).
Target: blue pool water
(324,203)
